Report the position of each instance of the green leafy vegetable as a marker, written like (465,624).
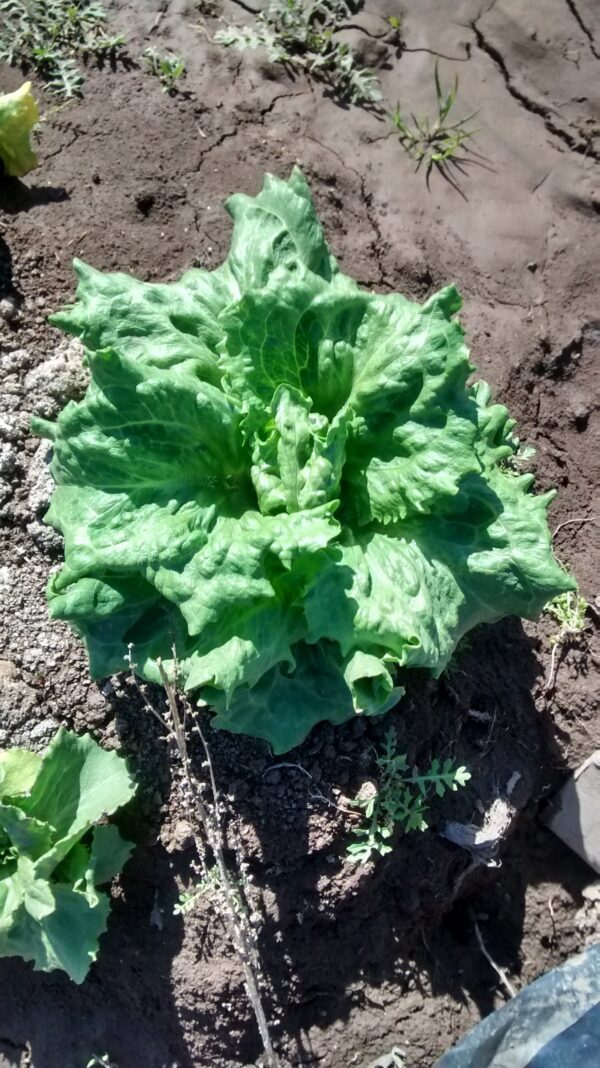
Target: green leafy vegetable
(286,477)
(18,115)
(53,857)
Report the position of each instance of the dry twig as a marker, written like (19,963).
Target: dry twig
(208,817)
(506,983)
(576,519)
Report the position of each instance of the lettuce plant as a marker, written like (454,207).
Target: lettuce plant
(287,479)
(53,855)
(18,115)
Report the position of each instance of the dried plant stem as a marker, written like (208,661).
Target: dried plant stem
(506,983)
(580,519)
(556,649)
(209,818)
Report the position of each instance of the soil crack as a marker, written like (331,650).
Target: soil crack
(583,147)
(585,29)
(223,137)
(367,199)
(247,121)
(61,148)
(246,7)
(280,96)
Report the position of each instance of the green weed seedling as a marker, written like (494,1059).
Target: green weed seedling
(569,610)
(169,69)
(188,898)
(299,34)
(437,143)
(400,798)
(49,36)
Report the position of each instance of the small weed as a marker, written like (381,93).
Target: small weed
(569,610)
(169,69)
(50,35)
(299,34)
(520,458)
(401,797)
(436,143)
(188,898)
(394,35)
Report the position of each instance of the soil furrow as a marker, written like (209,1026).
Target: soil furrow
(580,146)
(585,29)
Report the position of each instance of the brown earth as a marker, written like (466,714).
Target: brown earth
(355,960)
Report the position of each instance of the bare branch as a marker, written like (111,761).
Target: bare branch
(506,983)
(208,818)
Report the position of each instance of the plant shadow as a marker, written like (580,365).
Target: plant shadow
(52,1021)
(337,935)
(16,196)
(8,289)
(336,938)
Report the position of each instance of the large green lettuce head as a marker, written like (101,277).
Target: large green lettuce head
(287,479)
(18,115)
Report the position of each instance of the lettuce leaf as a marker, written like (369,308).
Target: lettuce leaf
(53,857)
(18,115)
(288,478)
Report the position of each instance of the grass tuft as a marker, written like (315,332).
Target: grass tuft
(437,143)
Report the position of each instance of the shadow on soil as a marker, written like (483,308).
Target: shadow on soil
(7,284)
(337,937)
(412,916)
(16,197)
(126,1006)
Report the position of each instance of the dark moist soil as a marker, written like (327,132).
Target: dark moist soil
(356,959)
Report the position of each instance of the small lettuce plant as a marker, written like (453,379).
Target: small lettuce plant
(55,853)
(18,115)
(287,479)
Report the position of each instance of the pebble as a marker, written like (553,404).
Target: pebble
(183,833)
(43,729)
(9,309)
(237,790)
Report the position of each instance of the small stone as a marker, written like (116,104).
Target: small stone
(237,790)
(532,266)
(9,309)
(183,834)
(581,412)
(8,670)
(43,729)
